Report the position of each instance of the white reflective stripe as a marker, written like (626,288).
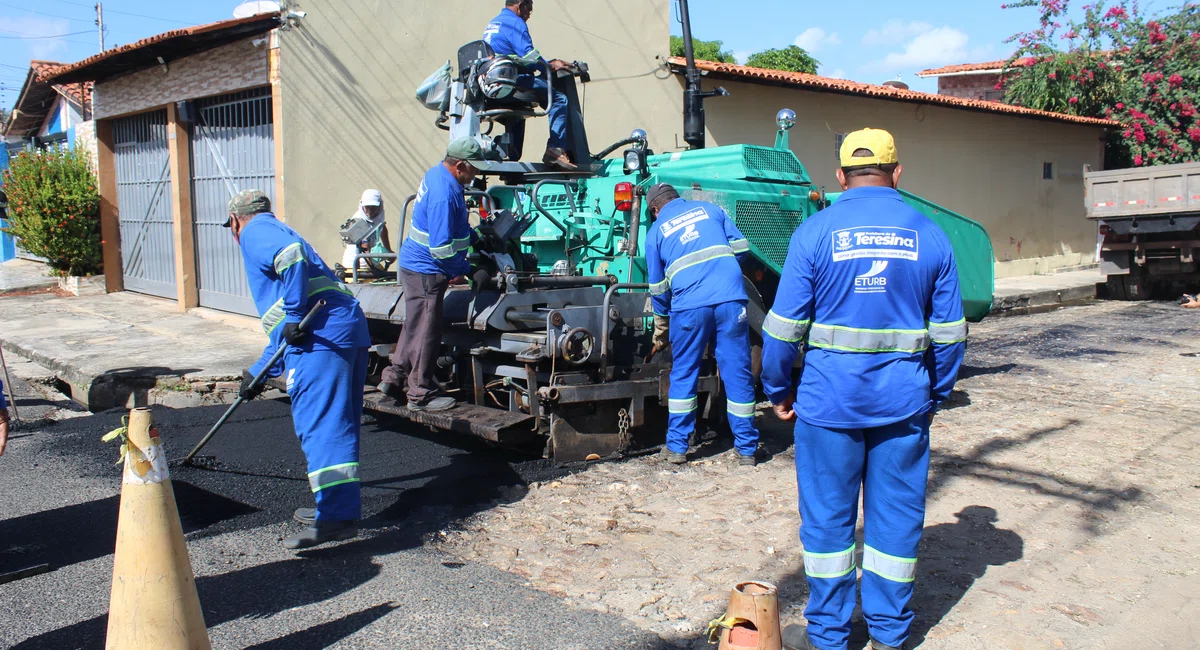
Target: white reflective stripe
(738,409)
(681,405)
(890,567)
(699,257)
(462,243)
(785,329)
(291,254)
(829,565)
(440,252)
(853,339)
(740,245)
(443,252)
(327,477)
(947,333)
(273,317)
(659,288)
(421,238)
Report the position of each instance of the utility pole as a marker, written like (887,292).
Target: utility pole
(100,24)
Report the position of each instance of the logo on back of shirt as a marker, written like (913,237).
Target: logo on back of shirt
(685,220)
(491,30)
(689,235)
(874,241)
(422,192)
(871,282)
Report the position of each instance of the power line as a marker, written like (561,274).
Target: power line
(126,13)
(32,38)
(42,13)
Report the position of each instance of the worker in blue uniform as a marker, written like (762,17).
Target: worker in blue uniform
(699,298)
(870,290)
(508,35)
(325,365)
(433,256)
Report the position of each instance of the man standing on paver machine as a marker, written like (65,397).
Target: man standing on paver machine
(433,256)
(326,365)
(699,298)
(871,289)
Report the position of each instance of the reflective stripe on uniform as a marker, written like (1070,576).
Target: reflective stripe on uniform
(275,315)
(889,567)
(948,333)
(785,329)
(699,257)
(740,245)
(829,565)
(681,405)
(854,339)
(328,477)
(441,252)
(291,254)
(738,409)
(659,288)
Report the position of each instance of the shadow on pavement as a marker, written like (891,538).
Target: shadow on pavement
(327,634)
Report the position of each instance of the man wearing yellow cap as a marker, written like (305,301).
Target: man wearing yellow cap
(870,289)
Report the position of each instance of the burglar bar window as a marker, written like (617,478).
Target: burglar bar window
(838,139)
(1048,171)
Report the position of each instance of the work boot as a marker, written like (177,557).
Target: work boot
(672,457)
(795,637)
(435,404)
(322,532)
(558,158)
(875,645)
(391,390)
(305,515)
(747,461)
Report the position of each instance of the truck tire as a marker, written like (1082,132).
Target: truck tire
(1135,285)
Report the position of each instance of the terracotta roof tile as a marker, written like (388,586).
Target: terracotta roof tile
(971,67)
(827,84)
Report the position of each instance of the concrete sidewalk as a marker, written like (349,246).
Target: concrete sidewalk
(23,275)
(1031,291)
(124,349)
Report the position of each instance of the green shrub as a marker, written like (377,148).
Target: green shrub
(54,208)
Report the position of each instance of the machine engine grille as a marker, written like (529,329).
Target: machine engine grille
(768,227)
(772,161)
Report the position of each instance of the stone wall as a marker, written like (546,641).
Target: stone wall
(971,86)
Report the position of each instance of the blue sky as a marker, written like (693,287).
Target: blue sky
(863,40)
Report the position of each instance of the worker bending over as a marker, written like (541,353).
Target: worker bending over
(871,290)
(699,298)
(326,365)
(508,35)
(433,255)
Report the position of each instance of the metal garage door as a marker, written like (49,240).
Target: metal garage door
(233,149)
(144,203)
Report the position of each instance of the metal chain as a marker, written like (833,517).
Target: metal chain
(623,429)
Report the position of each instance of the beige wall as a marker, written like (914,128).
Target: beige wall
(350,69)
(985,166)
(224,69)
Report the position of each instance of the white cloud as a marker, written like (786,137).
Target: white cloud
(836,74)
(814,38)
(895,32)
(922,46)
(40,48)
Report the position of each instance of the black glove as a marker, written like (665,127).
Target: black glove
(291,333)
(245,391)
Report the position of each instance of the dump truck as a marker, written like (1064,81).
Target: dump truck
(551,342)
(1149,222)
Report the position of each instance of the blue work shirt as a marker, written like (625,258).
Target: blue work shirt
(3,403)
(508,34)
(871,289)
(691,257)
(286,277)
(440,233)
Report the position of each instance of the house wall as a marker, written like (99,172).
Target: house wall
(971,86)
(985,166)
(228,68)
(349,71)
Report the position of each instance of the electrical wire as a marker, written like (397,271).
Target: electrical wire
(42,13)
(126,13)
(33,38)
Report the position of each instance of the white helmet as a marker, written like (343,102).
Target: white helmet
(498,77)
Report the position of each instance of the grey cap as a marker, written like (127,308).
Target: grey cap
(657,191)
(468,149)
(246,203)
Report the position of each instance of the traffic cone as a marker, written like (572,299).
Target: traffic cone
(154,602)
(752,620)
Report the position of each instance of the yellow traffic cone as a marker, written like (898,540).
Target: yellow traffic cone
(752,620)
(154,602)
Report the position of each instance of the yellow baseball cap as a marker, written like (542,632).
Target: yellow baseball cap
(877,141)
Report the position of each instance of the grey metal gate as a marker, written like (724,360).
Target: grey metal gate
(233,149)
(144,203)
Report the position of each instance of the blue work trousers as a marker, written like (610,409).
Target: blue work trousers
(557,111)
(326,388)
(692,330)
(891,464)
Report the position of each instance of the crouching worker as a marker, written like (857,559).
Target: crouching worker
(699,298)
(326,365)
